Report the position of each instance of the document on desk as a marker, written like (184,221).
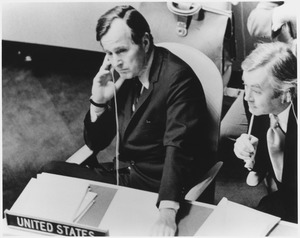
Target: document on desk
(132,212)
(50,197)
(233,219)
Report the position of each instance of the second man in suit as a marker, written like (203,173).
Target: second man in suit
(270,78)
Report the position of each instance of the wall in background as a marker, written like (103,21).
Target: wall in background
(244,42)
(72,24)
(64,24)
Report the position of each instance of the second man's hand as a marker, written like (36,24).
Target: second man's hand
(245,149)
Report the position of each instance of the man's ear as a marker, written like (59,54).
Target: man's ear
(146,41)
(286,97)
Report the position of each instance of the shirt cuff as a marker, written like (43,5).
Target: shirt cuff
(95,112)
(169,204)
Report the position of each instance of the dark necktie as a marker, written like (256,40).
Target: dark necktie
(136,93)
(276,139)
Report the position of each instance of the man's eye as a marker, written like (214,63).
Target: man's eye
(120,51)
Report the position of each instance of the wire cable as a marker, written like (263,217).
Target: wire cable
(117,130)
(294,112)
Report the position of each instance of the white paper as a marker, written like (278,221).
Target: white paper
(233,219)
(51,198)
(125,219)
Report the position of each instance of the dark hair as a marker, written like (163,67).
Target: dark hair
(134,19)
(279,61)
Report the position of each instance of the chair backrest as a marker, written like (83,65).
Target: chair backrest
(211,81)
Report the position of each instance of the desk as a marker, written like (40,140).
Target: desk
(132,212)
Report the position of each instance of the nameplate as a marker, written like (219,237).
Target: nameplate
(53,227)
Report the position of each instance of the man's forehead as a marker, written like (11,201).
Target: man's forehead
(118,33)
(256,78)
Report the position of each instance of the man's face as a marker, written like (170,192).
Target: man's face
(260,94)
(127,58)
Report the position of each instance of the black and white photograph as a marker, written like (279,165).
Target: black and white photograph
(149,118)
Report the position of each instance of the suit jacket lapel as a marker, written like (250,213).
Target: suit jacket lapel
(153,75)
(153,78)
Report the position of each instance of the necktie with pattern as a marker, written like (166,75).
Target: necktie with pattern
(276,140)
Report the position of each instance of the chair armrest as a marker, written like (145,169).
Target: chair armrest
(81,155)
(195,192)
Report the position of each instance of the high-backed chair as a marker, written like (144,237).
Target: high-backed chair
(211,81)
(212,84)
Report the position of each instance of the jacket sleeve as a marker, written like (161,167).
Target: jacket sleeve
(98,135)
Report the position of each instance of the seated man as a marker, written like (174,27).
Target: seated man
(161,115)
(270,79)
(268,21)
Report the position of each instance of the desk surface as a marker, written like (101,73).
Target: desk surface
(132,212)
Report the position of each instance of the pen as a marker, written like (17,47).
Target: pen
(250,125)
(249,133)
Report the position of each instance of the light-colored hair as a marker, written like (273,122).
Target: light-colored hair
(279,61)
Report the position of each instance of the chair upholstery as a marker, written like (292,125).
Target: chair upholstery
(81,155)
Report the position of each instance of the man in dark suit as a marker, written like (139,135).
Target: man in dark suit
(160,124)
(270,78)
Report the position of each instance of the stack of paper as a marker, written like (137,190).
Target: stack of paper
(233,219)
(50,197)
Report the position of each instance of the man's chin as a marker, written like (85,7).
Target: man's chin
(254,112)
(125,75)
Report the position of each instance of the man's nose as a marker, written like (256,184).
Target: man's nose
(117,62)
(247,95)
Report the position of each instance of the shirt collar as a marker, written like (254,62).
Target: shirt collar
(144,78)
(283,118)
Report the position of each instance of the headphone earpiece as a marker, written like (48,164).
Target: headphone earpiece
(288,97)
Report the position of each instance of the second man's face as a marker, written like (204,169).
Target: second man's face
(259,93)
(127,58)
